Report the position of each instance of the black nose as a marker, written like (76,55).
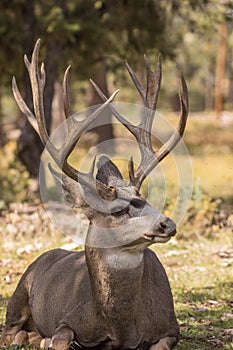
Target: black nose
(168,227)
(163,225)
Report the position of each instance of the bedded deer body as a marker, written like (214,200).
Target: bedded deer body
(115,294)
(134,308)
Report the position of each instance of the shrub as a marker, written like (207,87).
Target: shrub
(14,179)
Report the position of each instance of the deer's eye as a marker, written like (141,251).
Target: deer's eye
(120,211)
(138,203)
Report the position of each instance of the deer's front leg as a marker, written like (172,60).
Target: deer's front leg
(62,338)
(167,343)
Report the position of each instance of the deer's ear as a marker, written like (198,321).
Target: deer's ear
(108,173)
(75,195)
(68,188)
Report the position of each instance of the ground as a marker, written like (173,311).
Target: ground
(198,261)
(199,270)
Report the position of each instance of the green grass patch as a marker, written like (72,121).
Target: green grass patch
(201,279)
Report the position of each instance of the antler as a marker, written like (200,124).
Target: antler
(75,128)
(142,132)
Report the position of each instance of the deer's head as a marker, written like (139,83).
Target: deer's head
(118,215)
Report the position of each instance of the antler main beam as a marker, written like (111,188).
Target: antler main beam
(75,128)
(142,132)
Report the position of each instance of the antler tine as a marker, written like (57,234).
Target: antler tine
(66,95)
(23,107)
(172,141)
(133,76)
(153,83)
(142,132)
(149,93)
(150,98)
(75,131)
(131,170)
(121,119)
(178,133)
(75,128)
(38,84)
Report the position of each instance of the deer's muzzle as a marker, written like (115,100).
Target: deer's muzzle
(165,229)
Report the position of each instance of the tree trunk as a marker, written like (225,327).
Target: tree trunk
(209,88)
(105,130)
(29,144)
(2,134)
(220,70)
(30,147)
(57,111)
(229,98)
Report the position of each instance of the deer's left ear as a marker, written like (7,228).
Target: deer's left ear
(77,196)
(70,189)
(108,173)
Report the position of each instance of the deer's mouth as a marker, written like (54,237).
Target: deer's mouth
(160,237)
(162,232)
(157,238)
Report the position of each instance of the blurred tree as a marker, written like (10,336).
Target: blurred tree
(196,25)
(10,47)
(29,144)
(101,32)
(220,69)
(117,29)
(106,32)
(46,17)
(21,23)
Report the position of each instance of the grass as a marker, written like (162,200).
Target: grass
(201,282)
(215,175)
(202,286)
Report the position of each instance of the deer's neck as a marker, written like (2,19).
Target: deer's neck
(116,283)
(116,278)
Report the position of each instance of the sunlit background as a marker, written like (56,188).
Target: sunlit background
(194,38)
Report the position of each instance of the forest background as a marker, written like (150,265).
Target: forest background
(194,38)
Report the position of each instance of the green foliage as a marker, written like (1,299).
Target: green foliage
(203,213)
(128,28)
(14,179)
(10,20)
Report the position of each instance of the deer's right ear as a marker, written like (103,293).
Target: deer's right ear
(108,173)
(68,188)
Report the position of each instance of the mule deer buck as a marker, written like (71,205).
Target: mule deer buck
(113,296)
